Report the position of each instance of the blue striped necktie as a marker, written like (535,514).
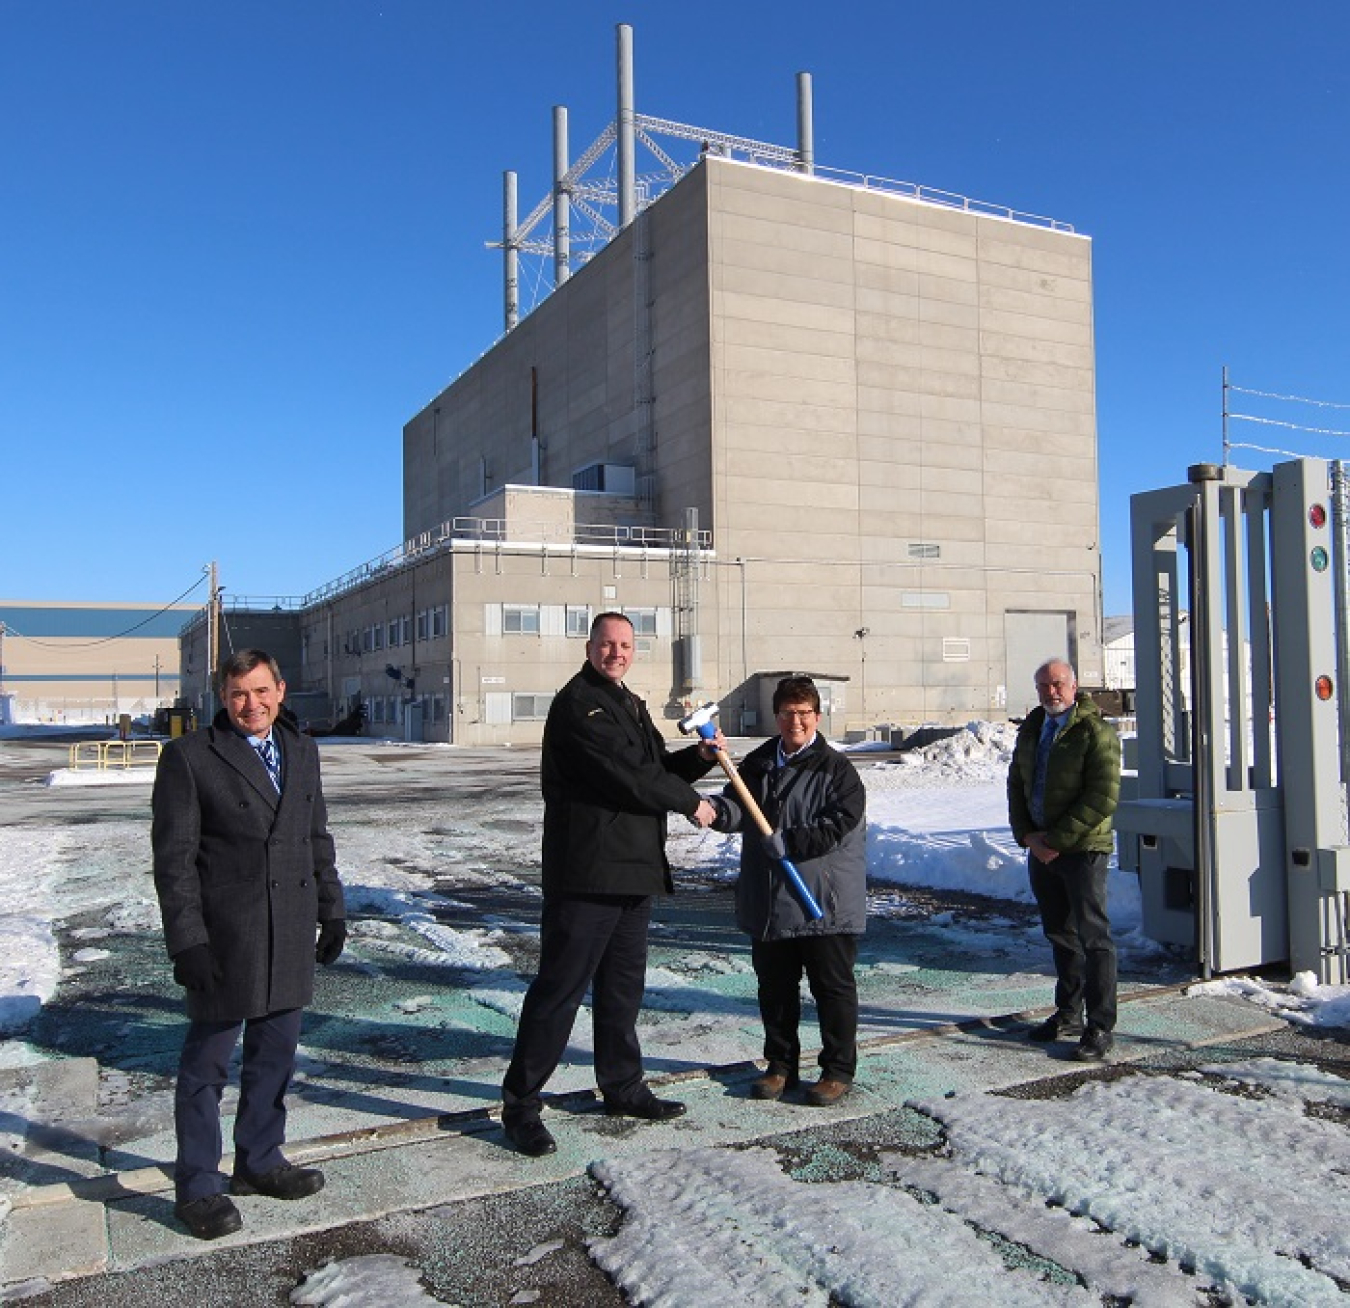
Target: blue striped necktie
(267,751)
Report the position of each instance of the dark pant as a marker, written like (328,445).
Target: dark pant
(585,940)
(1071,894)
(270,1043)
(828,963)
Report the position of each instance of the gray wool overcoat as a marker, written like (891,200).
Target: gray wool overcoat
(242,869)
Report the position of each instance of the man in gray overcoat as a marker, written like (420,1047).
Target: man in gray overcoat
(245,874)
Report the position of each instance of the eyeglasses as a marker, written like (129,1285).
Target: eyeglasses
(800,715)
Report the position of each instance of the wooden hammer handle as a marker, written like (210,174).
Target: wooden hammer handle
(743,792)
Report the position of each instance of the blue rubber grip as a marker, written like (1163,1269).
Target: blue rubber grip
(813,910)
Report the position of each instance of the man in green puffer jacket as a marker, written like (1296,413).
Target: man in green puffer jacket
(1063,787)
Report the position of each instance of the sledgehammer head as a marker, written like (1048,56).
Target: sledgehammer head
(701,721)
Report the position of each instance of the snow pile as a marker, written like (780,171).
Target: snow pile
(1304,1001)
(978,753)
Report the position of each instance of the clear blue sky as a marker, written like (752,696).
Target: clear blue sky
(242,243)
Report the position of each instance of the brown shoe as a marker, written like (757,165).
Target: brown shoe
(827,1091)
(771,1085)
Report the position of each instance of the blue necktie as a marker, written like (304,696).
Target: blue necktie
(1047,739)
(267,751)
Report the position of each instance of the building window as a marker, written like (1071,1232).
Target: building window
(422,625)
(377,631)
(520,619)
(579,620)
(404,631)
(643,620)
(393,633)
(377,708)
(438,708)
(530,708)
(955,649)
(440,621)
(924,550)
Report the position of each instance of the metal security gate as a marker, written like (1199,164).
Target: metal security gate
(1237,823)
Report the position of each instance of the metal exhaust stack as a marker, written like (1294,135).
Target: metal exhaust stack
(510,252)
(626,128)
(806,130)
(562,203)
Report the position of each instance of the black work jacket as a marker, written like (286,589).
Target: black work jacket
(608,783)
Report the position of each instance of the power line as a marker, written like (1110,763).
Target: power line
(103,640)
(1293,399)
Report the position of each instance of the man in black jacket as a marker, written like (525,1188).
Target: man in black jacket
(245,874)
(608,784)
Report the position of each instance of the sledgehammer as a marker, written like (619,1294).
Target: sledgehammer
(701,721)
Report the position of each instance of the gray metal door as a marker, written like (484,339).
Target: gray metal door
(1030,639)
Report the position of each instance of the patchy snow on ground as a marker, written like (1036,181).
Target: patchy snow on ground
(1084,1193)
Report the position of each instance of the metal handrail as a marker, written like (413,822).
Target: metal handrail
(123,754)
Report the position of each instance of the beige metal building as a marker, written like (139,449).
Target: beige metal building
(785,422)
(87,662)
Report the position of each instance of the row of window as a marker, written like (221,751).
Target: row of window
(531,620)
(391,709)
(429,624)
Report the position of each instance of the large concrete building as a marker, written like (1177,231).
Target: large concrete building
(787,422)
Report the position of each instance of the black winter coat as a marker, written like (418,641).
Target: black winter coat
(242,869)
(819,804)
(608,783)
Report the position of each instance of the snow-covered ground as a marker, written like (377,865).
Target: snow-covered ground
(1133,1190)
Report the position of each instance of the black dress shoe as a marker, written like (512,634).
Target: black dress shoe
(650,1109)
(1056,1027)
(1094,1046)
(209,1217)
(531,1137)
(284,1182)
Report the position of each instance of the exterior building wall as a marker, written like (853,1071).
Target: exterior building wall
(905,442)
(883,411)
(78,662)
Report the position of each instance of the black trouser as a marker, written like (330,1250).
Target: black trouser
(259,1122)
(828,963)
(1071,894)
(585,940)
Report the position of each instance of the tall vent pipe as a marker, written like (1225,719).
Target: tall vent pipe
(626,128)
(806,129)
(562,202)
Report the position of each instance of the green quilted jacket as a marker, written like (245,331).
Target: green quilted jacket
(1082,786)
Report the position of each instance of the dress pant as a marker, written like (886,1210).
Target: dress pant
(270,1043)
(585,940)
(1071,894)
(828,963)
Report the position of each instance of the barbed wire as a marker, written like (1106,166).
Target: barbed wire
(1293,399)
(1292,426)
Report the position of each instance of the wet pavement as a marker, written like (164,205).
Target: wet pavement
(406,1041)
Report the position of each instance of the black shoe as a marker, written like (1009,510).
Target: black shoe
(1094,1046)
(530,1137)
(286,1181)
(1056,1027)
(650,1109)
(209,1217)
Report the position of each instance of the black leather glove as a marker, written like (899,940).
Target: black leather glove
(196,968)
(332,939)
(773,845)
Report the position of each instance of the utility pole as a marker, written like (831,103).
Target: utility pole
(212,642)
